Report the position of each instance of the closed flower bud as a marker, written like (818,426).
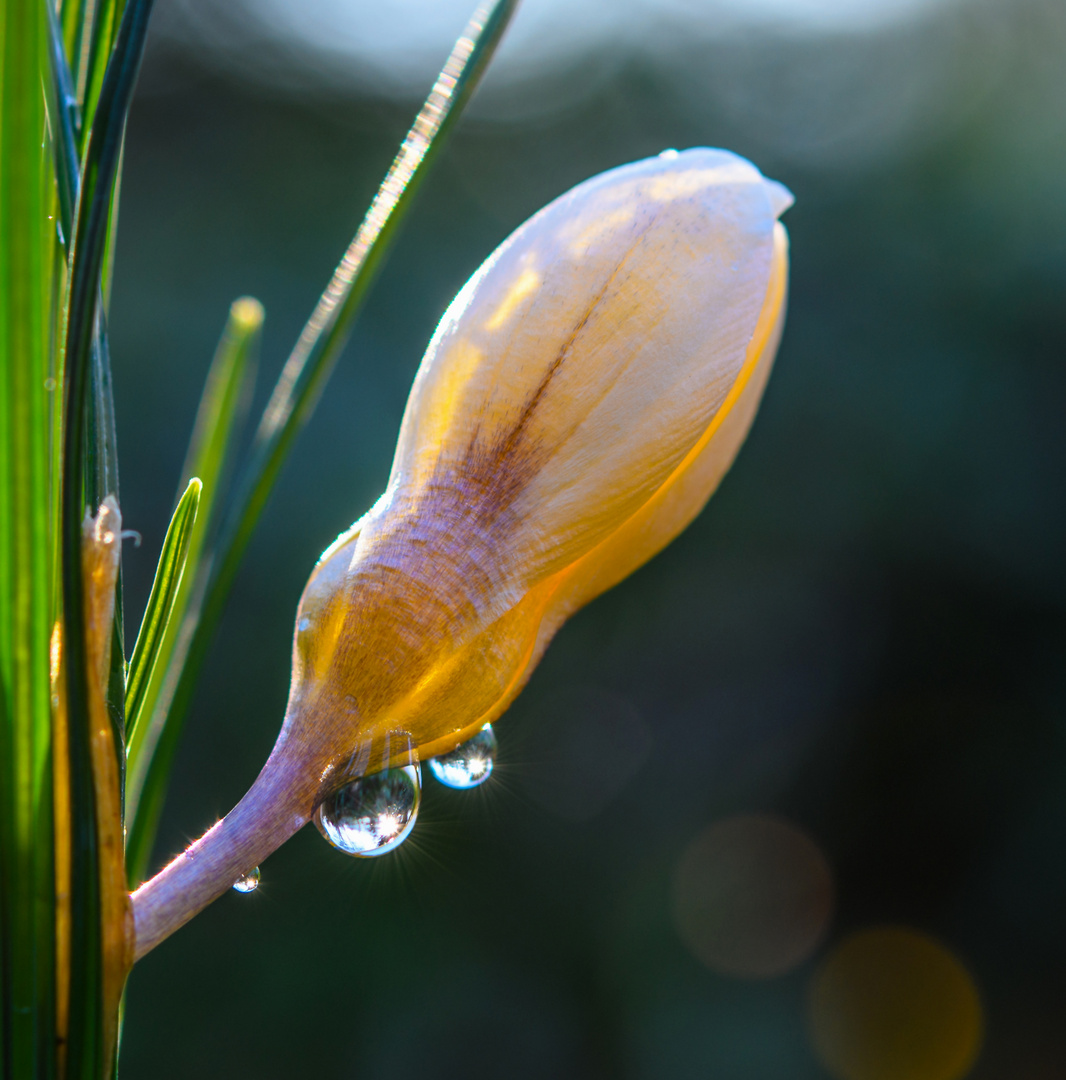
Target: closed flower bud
(581,399)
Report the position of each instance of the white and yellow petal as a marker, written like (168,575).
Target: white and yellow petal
(580,400)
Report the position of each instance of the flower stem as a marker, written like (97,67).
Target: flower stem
(271,812)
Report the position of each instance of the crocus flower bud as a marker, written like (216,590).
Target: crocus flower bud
(581,399)
(578,403)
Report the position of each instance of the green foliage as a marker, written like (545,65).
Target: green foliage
(157,613)
(60,164)
(219,421)
(27,596)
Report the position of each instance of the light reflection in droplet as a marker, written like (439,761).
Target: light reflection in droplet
(753,896)
(890,1002)
(248,882)
(372,815)
(467,765)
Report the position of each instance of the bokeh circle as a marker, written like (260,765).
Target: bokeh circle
(890,1003)
(753,896)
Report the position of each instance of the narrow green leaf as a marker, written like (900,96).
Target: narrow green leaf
(219,422)
(86,1052)
(101,480)
(327,331)
(304,377)
(168,574)
(64,120)
(224,404)
(101,159)
(96,26)
(101,451)
(89,458)
(76,22)
(27,884)
(99,40)
(101,446)
(108,271)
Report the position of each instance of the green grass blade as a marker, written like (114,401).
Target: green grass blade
(64,121)
(101,159)
(89,458)
(102,471)
(101,449)
(92,29)
(219,421)
(76,22)
(85,1047)
(107,274)
(27,889)
(327,331)
(160,606)
(101,480)
(103,19)
(101,453)
(101,462)
(307,370)
(224,404)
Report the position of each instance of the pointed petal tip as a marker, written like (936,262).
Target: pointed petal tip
(780,197)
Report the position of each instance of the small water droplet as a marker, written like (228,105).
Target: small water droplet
(669,155)
(49,384)
(305,624)
(248,882)
(467,765)
(374,814)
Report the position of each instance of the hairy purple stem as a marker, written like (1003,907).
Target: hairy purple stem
(271,812)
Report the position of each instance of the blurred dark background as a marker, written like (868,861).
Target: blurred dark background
(862,636)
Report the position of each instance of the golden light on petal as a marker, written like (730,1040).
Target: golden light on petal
(891,1003)
(752,896)
(526,284)
(582,237)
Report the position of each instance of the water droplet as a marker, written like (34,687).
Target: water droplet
(374,814)
(467,765)
(669,155)
(49,383)
(248,882)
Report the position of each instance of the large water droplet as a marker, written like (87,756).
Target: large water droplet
(248,882)
(467,765)
(374,814)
